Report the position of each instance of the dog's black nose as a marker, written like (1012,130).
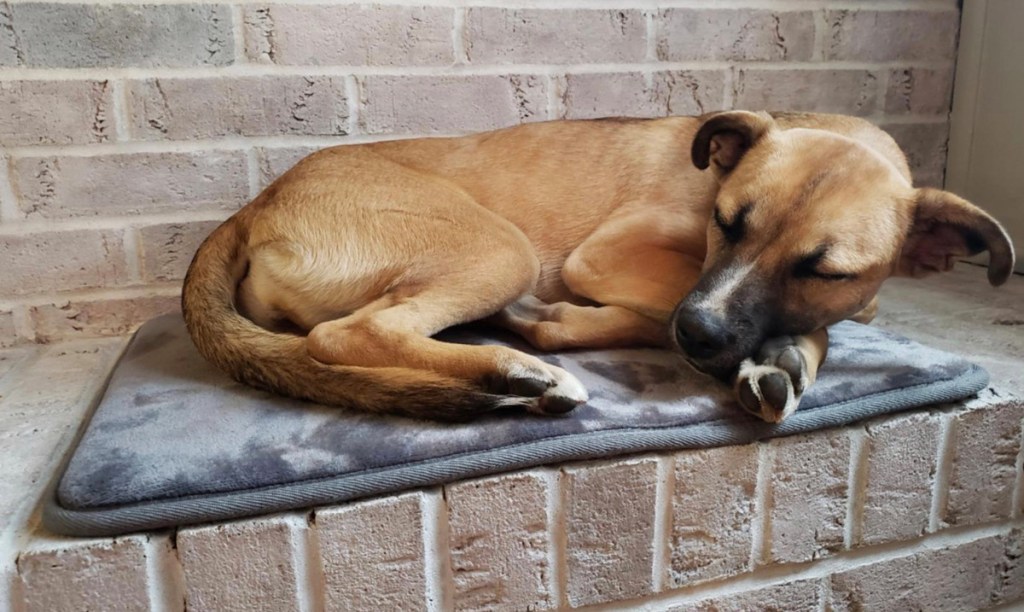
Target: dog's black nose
(702,335)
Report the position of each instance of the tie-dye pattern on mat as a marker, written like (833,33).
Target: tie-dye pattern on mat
(173,441)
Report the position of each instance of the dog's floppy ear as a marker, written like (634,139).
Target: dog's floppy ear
(947,227)
(723,138)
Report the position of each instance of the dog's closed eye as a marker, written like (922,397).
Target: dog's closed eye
(809,266)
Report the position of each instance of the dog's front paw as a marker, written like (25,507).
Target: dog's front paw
(549,389)
(770,386)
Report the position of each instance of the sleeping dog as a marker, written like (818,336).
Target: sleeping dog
(734,237)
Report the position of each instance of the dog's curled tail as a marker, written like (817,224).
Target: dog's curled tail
(281,362)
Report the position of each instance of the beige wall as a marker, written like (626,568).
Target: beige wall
(127,129)
(986,154)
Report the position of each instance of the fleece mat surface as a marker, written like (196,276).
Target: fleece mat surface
(173,441)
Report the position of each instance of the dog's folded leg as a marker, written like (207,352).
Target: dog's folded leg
(552,327)
(771,384)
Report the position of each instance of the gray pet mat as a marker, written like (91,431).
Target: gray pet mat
(173,441)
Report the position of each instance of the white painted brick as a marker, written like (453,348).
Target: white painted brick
(10,55)
(245,566)
(108,575)
(890,35)
(713,509)
(541,36)
(446,104)
(800,596)
(372,554)
(74,319)
(983,469)
(971,576)
(807,512)
(610,525)
(633,94)
(901,456)
(356,35)
(38,419)
(920,90)
(925,145)
(53,261)
(8,333)
(498,535)
(55,112)
(185,109)
(167,249)
(850,92)
(686,34)
(12,357)
(58,35)
(56,187)
(273,162)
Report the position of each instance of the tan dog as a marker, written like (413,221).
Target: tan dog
(329,285)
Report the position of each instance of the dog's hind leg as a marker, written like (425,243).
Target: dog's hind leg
(771,384)
(396,330)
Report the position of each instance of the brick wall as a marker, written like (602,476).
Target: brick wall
(128,128)
(913,512)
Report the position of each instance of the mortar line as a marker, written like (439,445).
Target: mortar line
(9,210)
(353,98)
(436,553)
(42,299)
(340,70)
(241,143)
(825,595)
(777,5)
(1018,482)
(315,581)
(820,20)
(34,226)
(651,50)
(559,540)
(761,525)
(238,33)
(164,574)
(253,169)
(133,254)
(119,107)
(664,494)
(882,93)
(856,487)
(234,143)
(306,589)
(460,35)
(815,569)
(729,82)
(11,596)
(943,465)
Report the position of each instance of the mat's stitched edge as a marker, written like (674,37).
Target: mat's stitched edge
(227,506)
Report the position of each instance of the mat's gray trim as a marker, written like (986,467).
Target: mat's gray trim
(233,505)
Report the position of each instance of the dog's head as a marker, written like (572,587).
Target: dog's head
(806,226)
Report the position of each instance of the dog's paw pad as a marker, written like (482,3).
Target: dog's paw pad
(564,396)
(775,389)
(529,382)
(528,387)
(557,404)
(792,362)
(766,391)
